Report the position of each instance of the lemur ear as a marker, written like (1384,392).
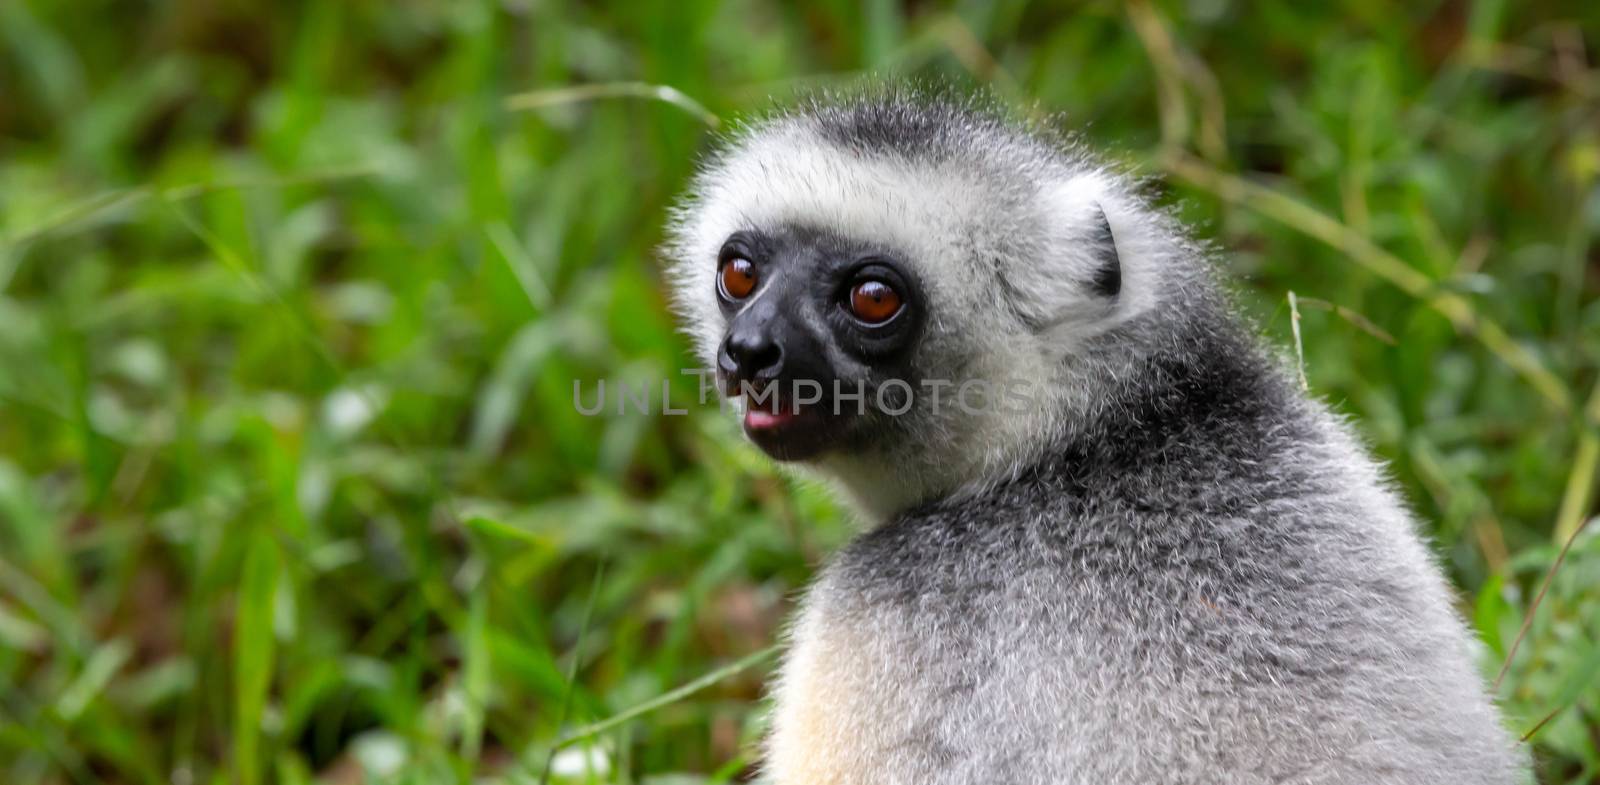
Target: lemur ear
(1103,250)
(1078,276)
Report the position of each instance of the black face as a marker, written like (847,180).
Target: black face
(812,320)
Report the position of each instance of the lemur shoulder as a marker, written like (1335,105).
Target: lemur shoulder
(1168,564)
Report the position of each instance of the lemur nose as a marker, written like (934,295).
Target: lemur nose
(753,354)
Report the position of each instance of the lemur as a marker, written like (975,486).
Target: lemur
(1159,562)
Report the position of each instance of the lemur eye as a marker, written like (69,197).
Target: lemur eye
(738,278)
(874,302)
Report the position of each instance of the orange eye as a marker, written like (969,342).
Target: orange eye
(738,278)
(874,302)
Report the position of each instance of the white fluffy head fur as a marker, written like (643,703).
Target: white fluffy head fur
(1004,225)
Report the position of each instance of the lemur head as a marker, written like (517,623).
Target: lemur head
(931,293)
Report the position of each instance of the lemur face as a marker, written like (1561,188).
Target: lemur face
(865,261)
(815,323)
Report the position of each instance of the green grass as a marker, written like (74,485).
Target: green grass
(292,296)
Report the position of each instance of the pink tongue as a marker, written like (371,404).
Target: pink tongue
(759,418)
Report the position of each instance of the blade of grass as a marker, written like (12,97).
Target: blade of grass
(1572,687)
(1211,133)
(1310,221)
(1533,608)
(540,99)
(667,698)
(477,671)
(1299,349)
(253,652)
(572,670)
(521,264)
(1172,110)
(1579,491)
(81,211)
(1361,322)
(313,177)
(1570,522)
(67,629)
(104,201)
(103,664)
(957,37)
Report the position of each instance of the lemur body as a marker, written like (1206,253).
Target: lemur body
(1169,566)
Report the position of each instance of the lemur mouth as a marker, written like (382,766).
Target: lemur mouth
(778,414)
(789,431)
(780,417)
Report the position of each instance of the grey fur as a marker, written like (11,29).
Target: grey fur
(1179,569)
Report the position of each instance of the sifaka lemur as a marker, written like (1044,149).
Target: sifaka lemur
(1150,559)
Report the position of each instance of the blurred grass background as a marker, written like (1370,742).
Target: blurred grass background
(292,296)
